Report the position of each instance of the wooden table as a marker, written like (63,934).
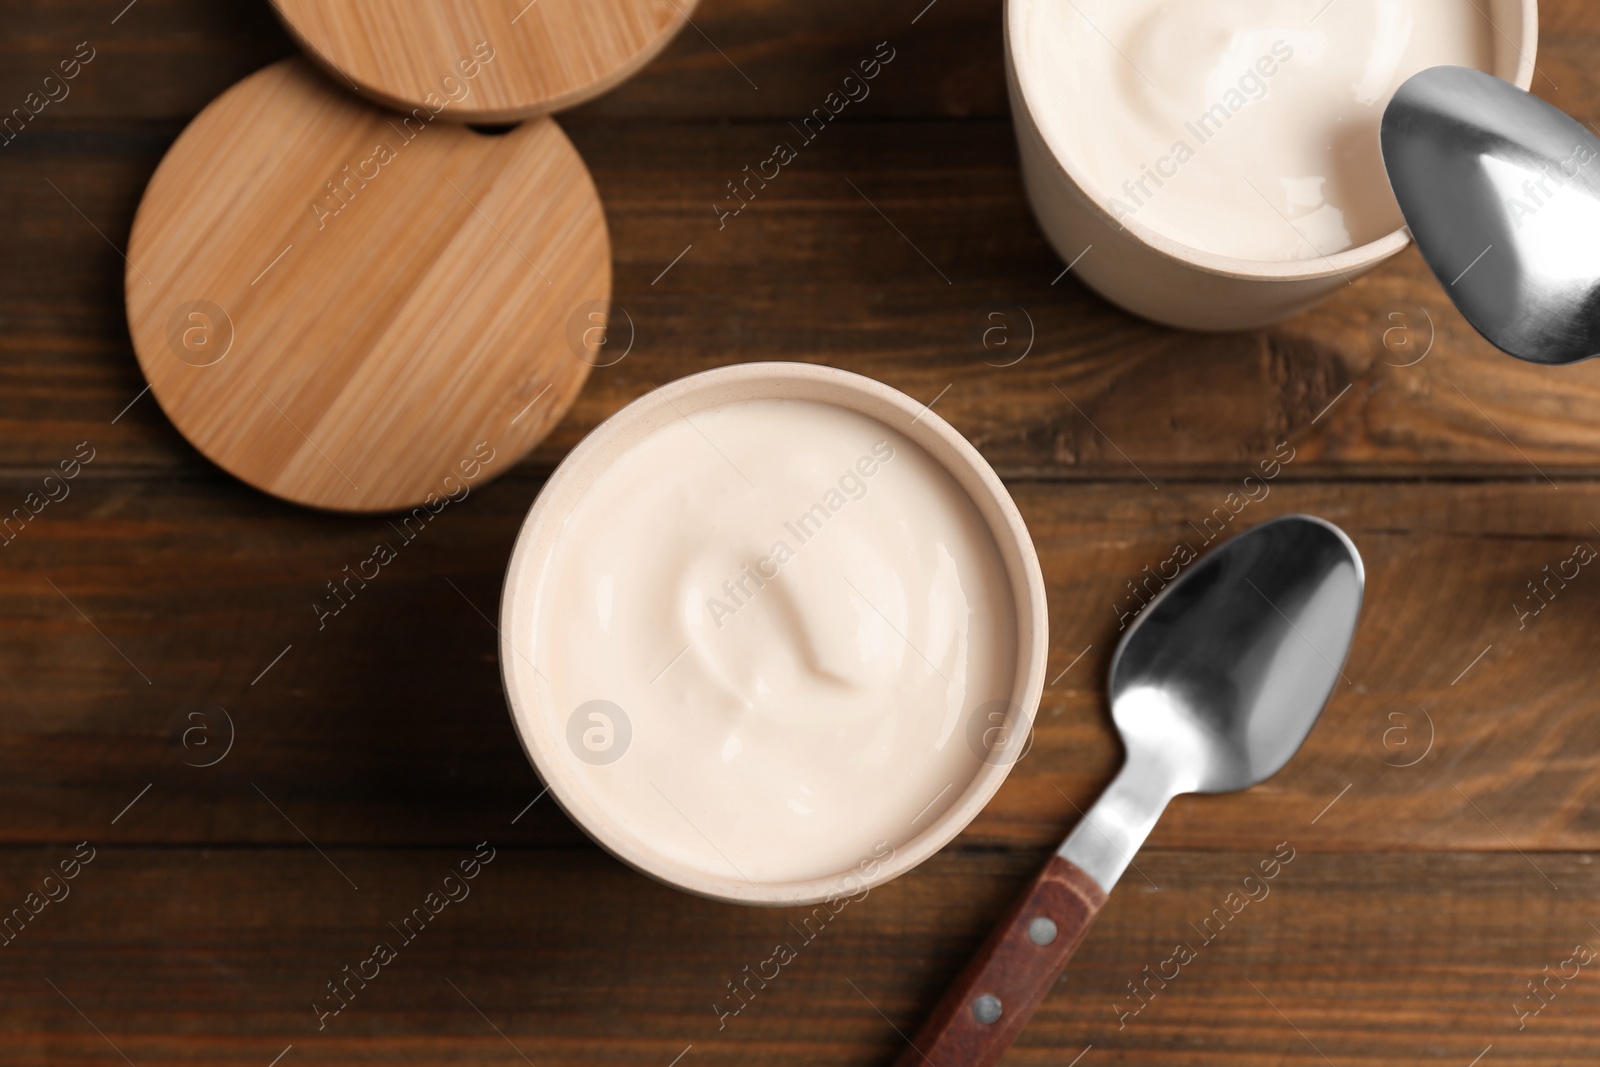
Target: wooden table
(1443,817)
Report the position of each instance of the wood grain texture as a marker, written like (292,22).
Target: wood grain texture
(1459,723)
(216,957)
(952,58)
(535,57)
(810,271)
(347,308)
(989,1003)
(1442,813)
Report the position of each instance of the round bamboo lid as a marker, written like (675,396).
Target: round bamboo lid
(363,311)
(487,61)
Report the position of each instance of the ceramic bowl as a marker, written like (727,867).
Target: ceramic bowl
(541,728)
(1160,278)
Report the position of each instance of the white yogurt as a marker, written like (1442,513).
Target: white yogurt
(1245,128)
(784,615)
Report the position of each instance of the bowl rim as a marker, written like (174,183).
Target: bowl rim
(535,544)
(1349,263)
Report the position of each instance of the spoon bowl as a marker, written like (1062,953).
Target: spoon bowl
(1223,675)
(1502,192)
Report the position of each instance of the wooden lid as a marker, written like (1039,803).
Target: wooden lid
(486,60)
(349,308)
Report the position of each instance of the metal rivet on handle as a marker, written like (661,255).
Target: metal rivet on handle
(986,1008)
(1041,931)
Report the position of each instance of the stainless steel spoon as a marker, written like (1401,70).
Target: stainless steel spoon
(1502,193)
(1213,688)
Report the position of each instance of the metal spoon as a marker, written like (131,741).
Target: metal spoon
(1502,193)
(1213,688)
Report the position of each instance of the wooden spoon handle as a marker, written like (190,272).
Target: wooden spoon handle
(989,1004)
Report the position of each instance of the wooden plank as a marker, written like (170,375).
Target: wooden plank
(386,725)
(165,59)
(152,59)
(566,958)
(811,271)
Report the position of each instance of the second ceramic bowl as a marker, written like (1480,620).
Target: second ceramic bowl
(1149,273)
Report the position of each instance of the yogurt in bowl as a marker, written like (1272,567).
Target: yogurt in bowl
(1217,165)
(771,631)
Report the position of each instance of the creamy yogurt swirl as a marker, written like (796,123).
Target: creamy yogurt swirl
(785,614)
(1246,128)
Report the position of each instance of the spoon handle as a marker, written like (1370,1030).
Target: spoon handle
(986,1009)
